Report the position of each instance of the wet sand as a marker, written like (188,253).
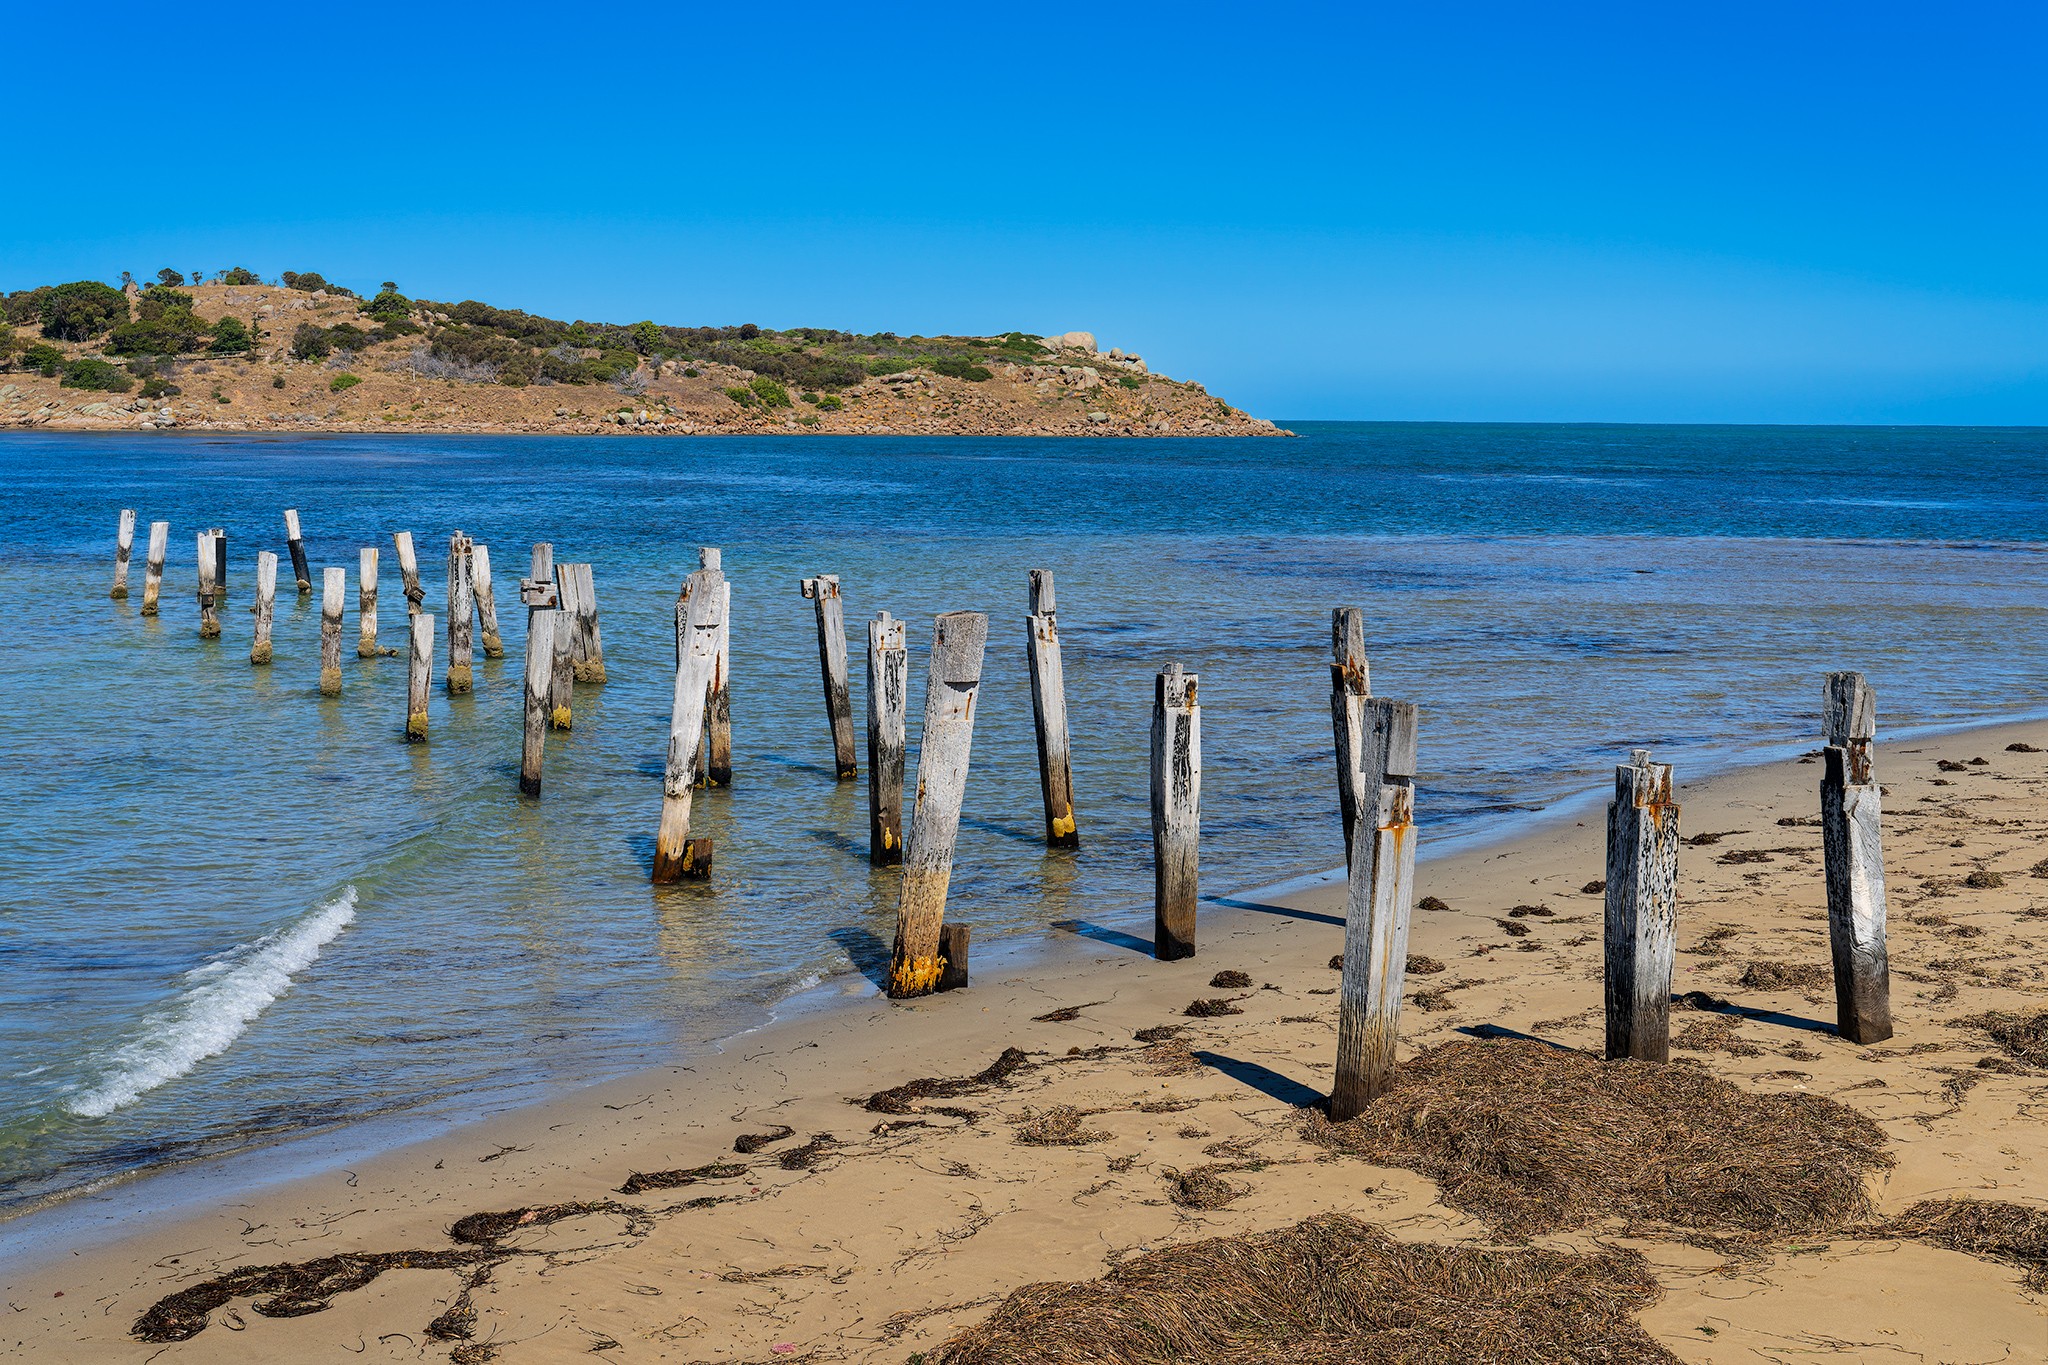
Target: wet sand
(899,1229)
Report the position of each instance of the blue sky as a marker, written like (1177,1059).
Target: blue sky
(1728,212)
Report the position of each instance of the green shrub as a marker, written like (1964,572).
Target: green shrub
(690,372)
(309,342)
(344,336)
(277,381)
(156,386)
(831,402)
(231,337)
(770,392)
(389,305)
(239,276)
(741,394)
(1130,381)
(807,420)
(960,367)
(25,306)
(811,398)
(43,358)
(82,310)
(313,280)
(7,344)
(343,382)
(100,375)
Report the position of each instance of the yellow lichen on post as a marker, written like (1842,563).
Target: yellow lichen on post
(560,719)
(918,976)
(1062,826)
(416,728)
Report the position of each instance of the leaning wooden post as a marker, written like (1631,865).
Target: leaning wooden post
(209,600)
(461,618)
(266,605)
(333,595)
(1176,812)
(1350,691)
(1642,909)
(124,546)
(587,643)
(153,566)
(409,573)
(1850,815)
(714,755)
(297,546)
(676,854)
(1049,714)
(419,676)
(486,603)
(888,712)
(824,591)
(541,620)
(958,641)
(220,562)
(366,602)
(1381,888)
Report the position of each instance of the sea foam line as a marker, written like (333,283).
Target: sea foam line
(219,1002)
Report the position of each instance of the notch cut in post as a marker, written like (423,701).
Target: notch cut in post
(333,597)
(540,662)
(297,546)
(1049,714)
(124,546)
(1358,777)
(265,606)
(419,676)
(209,597)
(676,854)
(1176,812)
(959,639)
(153,566)
(586,644)
(459,675)
(486,601)
(888,719)
(823,591)
(1852,846)
(409,573)
(366,602)
(1380,893)
(1642,909)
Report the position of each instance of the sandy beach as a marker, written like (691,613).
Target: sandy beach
(881,1225)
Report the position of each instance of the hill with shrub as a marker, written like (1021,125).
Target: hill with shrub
(237,352)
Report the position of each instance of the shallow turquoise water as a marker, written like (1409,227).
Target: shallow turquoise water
(232,909)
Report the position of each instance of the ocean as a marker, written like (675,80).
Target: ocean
(232,910)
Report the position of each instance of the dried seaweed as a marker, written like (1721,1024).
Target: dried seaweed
(746,1144)
(1535,1138)
(1204,1187)
(1431,903)
(1418,965)
(2025,1036)
(1212,1008)
(641,1181)
(1785,976)
(1328,1291)
(1718,1034)
(897,1099)
(1997,1231)
(804,1157)
(1059,1126)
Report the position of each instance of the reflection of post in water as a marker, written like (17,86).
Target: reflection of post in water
(1058,875)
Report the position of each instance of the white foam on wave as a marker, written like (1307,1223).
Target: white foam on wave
(219,1002)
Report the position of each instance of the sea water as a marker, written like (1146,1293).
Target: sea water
(232,909)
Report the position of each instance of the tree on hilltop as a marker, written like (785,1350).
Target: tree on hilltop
(169,278)
(82,309)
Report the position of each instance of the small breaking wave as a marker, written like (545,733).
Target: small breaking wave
(218,1003)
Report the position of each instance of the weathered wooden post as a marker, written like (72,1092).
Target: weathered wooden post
(888,714)
(1642,909)
(1049,714)
(1176,812)
(824,592)
(586,643)
(209,600)
(714,755)
(958,641)
(1350,689)
(220,562)
(1381,889)
(366,602)
(461,618)
(541,622)
(124,546)
(297,547)
(561,670)
(266,605)
(409,573)
(419,676)
(486,602)
(333,595)
(153,566)
(676,854)
(1850,816)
